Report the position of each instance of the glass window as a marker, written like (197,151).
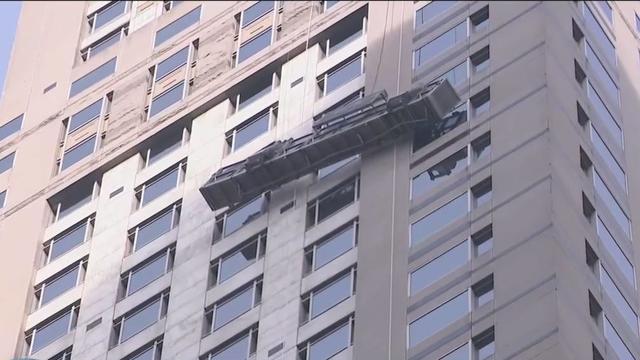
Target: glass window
(605,116)
(480,59)
(330,295)
(103,44)
(484,344)
(483,240)
(64,355)
(147,272)
(3,197)
(481,146)
(482,192)
(602,74)
(343,38)
(335,166)
(437,268)
(600,36)
(11,127)
(78,152)
(439,318)
(150,351)
(330,3)
(85,116)
(172,63)
(609,159)
(237,259)
(611,289)
(612,204)
(438,219)
(461,353)
(256,11)
(331,344)
(255,92)
(6,162)
(239,349)
(246,133)
(432,10)
(618,346)
(606,9)
(67,241)
(343,74)
(438,173)
(140,319)
(481,101)
(616,253)
(457,75)
(254,45)
(107,14)
(59,284)
(47,333)
(72,198)
(483,291)
(100,73)
(161,184)
(332,201)
(439,44)
(166,99)
(155,227)
(177,26)
(237,218)
(329,249)
(637,23)
(239,303)
(164,145)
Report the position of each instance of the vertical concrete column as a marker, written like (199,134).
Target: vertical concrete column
(186,302)
(108,247)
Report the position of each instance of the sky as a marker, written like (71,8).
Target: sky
(9,12)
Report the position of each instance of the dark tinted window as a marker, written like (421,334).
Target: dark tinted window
(177,26)
(101,72)
(11,127)
(85,115)
(6,162)
(78,152)
(256,11)
(252,46)
(166,99)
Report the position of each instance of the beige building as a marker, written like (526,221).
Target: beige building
(507,235)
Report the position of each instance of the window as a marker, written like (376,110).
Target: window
(165,143)
(100,73)
(480,59)
(599,35)
(78,152)
(52,329)
(608,121)
(151,351)
(457,75)
(341,103)
(329,342)
(236,260)
(431,323)
(171,63)
(161,184)
(603,150)
(241,215)
(482,192)
(140,318)
(329,4)
(612,204)
(73,197)
(326,296)
(443,42)
(332,201)
(107,14)
(431,11)
(480,101)
(256,11)
(438,268)
(438,173)
(170,97)
(606,9)
(153,228)
(483,240)
(484,344)
(239,347)
(145,273)
(344,33)
(483,291)
(3,198)
(260,86)
(602,74)
(84,116)
(232,306)
(60,283)
(331,247)
(611,245)
(618,346)
(11,127)
(177,26)
(342,74)
(104,43)
(438,219)
(64,355)
(6,163)
(637,23)
(612,290)
(461,353)
(170,4)
(481,146)
(68,240)
(250,130)
(480,19)
(254,45)
(323,172)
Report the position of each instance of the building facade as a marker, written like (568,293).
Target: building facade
(509,236)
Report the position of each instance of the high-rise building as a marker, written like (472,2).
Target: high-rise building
(506,234)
